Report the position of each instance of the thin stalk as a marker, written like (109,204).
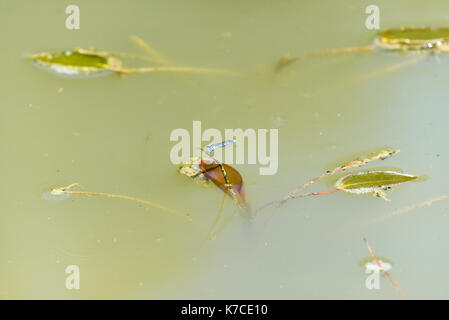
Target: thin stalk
(314,194)
(286,60)
(211,232)
(65,190)
(153,54)
(394,283)
(413,207)
(392,68)
(177,69)
(383,154)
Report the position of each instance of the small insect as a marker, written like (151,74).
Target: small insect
(78,63)
(209,170)
(210,149)
(403,40)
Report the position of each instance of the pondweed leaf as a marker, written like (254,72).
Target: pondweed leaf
(86,63)
(76,63)
(373,156)
(419,42)
(414,38)
(374,181)
(370,181)
(402,40)
(76,58)
(225,177)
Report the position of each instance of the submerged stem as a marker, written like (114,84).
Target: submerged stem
(394,283)
(65,190)
(392,68)
(412,207)
(287,60)
(314,194)
(177,69)
(153,54)
(211,232)
(383,154)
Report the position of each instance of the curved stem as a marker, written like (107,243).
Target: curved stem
(286,60)
(412,207)
(313,194)
(211,232)
(65,190)
(177,69)
(381,155)
(394,283)
(153,54)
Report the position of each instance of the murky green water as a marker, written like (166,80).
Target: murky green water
(111,134)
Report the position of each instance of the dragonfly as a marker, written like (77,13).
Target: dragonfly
(210,149)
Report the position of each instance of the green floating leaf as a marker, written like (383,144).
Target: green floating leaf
(73,58)
(408,35)
(370,181)
(77,62)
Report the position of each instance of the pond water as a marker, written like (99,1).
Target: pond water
(112,134)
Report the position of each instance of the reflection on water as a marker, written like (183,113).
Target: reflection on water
(112,134)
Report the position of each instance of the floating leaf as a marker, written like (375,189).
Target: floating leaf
(402,40)
(73,58)
(415,38)
(76,62)
(223,176)
(227,179)
(373,156)
(81,63)
(370,181)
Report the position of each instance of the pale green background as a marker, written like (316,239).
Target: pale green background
(111,134)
